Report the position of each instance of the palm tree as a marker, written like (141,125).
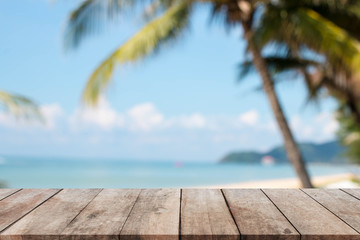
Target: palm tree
(337,69)
(19,106)
(293,152)
(335,54)
(171,19)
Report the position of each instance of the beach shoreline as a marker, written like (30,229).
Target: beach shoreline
(335,180)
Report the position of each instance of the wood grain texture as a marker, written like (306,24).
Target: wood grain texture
(205,215)
(340,203)
(155,216)
(104,217)
(310,219)
(355,192)
(50,219)
(257,217)
(5,192)
(19,204)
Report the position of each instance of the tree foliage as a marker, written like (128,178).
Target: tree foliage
(349,132)
(148,40)
(318,40)
(19,106)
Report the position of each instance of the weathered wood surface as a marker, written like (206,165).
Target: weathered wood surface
(353,192)
(155,215)
(18,205)
(50,218)
(104,217)
(201,211)
(94,214)
(340,203)
(7,192)
(310,219)
(257,217)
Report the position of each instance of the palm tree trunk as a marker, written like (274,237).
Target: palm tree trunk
(292,150)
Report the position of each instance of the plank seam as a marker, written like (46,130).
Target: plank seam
(81,211)
(282,214)
(232,216)
(30,211)
(180,213)
(349,193)
(330,211)
(11,194)
(136,200)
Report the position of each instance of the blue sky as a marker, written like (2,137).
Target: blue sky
(182,104)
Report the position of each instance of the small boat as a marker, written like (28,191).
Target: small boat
(267,160)
(178,164)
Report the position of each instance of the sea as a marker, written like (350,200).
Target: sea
(27,172)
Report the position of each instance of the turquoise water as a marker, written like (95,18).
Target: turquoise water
(21,172)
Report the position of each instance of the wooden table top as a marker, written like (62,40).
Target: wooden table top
(45,214)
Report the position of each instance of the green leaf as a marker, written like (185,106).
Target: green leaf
(305,27)
(19,106)
(148,40)
(90,16)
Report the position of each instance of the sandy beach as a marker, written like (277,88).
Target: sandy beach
(330,181)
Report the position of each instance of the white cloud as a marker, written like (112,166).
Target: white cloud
(328,123)
(145,117)
(322,117)
(250,118)
(193,121)
(308,131)
(331,127)
(102,115)
(319,128)
(7,120)
(51,113)
(271,126)
(141,117)
(295,123)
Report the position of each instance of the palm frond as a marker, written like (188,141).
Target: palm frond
(329,39)
(148,40)
(347,16)
(156,7)
(281,66)
(225,11)
(90,16)
(19,106)
(278,65)
(304,26)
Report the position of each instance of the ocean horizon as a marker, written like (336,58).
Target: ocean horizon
(31,172)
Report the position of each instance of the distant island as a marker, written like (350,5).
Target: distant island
(329,152)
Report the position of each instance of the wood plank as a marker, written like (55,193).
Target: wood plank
(340,203)
(5,192)
(257,217)
(205,215)
(310,219)
(50,219)
(19,204)
(355,192)
(104,217)
(155,216)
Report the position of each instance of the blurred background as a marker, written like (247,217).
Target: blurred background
(179,93)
